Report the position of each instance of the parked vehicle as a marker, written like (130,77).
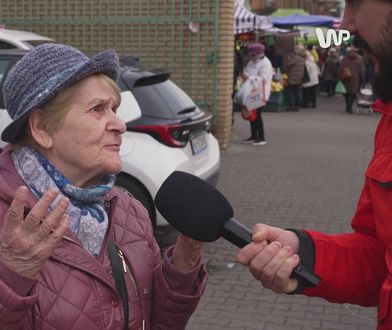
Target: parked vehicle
(15,39)
(166,131)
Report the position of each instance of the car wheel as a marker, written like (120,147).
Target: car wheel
(137,190)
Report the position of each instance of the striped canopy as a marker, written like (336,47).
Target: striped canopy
(246,21)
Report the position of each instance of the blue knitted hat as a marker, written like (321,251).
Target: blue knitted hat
(43,73)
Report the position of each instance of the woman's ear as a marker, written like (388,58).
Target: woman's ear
(38,130)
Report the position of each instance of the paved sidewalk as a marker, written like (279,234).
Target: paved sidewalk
(308,175)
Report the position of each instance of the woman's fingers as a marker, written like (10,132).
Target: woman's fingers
(52,220)
(38,212)
(58,232)
(15,213)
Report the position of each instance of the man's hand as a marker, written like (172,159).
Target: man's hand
(271,257)
(27,243)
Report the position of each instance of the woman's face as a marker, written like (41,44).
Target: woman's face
(86,145)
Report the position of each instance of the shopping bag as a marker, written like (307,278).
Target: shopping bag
(345,73)
(339,88)
(252,93)
(250,115)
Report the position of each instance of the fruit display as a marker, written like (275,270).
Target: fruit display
(276,86)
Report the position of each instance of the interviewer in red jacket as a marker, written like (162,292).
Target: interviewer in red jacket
(59,209)
(354,267)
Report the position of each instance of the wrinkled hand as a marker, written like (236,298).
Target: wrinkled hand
(271,257)
(187,252)
(26,243)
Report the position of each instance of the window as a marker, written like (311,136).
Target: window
(6,45)
(3,67)
(4,64)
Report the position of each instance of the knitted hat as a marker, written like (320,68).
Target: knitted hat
(43,73)
(256,49)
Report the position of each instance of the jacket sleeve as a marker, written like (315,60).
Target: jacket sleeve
(16,300)
(352,266)
(176,294)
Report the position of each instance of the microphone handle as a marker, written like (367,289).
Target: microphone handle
(239,235)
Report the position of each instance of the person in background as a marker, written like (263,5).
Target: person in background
(314,53)
(309,89)
(275,58)
(331,71)
(294,67)
(64,225)
(238,68)
(352,74)
(258,65)
(356,266)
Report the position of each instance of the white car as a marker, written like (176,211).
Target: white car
(166,132)
(15,39)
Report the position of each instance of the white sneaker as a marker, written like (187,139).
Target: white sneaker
(259,143)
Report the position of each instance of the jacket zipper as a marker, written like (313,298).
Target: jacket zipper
(126,271)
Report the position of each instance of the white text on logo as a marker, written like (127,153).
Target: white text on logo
(336,36)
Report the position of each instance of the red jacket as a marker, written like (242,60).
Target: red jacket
(357,267)
(77,291)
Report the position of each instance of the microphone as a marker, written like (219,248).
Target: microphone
(199,211)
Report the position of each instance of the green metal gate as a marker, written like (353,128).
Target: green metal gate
(157,31)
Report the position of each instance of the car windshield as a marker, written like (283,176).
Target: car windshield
(163,100)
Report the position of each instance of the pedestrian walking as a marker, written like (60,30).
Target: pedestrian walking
(258,66)
(309,88)
(331,71)
(354,267)
(352,74)
(294,67)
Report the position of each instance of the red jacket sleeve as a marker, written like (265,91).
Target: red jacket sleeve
(352,266)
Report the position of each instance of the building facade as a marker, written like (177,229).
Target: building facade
(316,7)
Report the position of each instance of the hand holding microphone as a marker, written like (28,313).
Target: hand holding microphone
(272,264)
(201,212)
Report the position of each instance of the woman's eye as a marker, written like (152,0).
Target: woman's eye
(96,108)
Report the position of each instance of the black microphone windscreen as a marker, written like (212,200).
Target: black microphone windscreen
(192,206)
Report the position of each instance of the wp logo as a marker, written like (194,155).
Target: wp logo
(336,36)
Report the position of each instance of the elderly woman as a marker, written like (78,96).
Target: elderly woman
(75,252)
(258,66)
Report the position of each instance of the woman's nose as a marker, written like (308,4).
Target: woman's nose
(116,123)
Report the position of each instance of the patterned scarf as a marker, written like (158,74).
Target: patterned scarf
(89,220)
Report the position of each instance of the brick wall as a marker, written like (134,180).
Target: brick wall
(156,31)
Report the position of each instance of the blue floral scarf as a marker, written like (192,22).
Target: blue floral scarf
(89,220)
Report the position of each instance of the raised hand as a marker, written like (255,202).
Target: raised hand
(187,253)
(26,243)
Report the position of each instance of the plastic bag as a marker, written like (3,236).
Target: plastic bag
(252,93)
(340,88)
(250,115)
(277,77)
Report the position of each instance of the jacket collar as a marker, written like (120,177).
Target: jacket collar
(384,108)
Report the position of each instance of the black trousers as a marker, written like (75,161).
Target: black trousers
(257,127)
(293,93)
(349,98)
(309,96)
(330,86)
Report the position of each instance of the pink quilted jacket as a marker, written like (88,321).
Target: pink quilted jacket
(77,291)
